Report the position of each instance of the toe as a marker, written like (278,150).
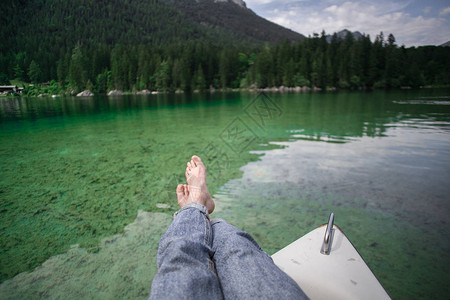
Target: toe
(193,163)
(180,190)
(197,160)
(186,190)
(187,173)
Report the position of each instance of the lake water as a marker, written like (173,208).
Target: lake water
(87,184)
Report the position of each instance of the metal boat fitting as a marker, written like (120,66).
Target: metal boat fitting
(328,238)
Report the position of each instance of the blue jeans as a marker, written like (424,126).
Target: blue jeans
(200,259)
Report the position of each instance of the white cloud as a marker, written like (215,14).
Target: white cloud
(444,11)
(387,16)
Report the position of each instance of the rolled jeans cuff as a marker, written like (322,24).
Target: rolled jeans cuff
(194,205)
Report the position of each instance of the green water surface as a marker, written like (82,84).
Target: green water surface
(76,171)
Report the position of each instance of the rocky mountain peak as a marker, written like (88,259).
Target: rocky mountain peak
(341,35)
(241,3)
(235,17)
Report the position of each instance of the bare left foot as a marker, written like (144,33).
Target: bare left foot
(182,194)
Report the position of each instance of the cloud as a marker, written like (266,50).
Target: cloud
(445,11)
(309,17)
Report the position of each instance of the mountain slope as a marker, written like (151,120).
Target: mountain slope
(46,23)
(55,22)
(234,16)
(45,31)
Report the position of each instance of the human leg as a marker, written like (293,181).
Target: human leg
(185,268)
(245,271)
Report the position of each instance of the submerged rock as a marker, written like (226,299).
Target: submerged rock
(86,93)
(162,205)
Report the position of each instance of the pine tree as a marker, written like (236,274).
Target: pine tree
(77,76)
(223,69)
(4,80)
(392,68)
(289,72)
(264,68)
(19,73)
(34,72)
(199,82)
(163,76)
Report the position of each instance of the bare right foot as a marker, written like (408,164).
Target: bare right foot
(196,179)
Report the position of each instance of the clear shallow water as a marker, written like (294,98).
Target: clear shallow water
(75,171)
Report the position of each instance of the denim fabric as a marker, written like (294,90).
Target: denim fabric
(185,268)
(245,271)
(199,259)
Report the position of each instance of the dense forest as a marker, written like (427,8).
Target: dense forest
(196,65)
(131,46)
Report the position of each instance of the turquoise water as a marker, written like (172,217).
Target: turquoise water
(87,184)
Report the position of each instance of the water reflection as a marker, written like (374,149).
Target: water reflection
(329,117)
(14,109)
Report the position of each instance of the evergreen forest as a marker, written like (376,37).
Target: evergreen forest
(150,45)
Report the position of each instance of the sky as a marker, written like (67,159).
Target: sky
(412,22)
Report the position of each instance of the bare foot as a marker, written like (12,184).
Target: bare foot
(182,194)
(197,190)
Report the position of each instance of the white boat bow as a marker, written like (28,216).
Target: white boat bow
(341,274)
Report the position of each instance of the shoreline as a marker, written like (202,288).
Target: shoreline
(280,89)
